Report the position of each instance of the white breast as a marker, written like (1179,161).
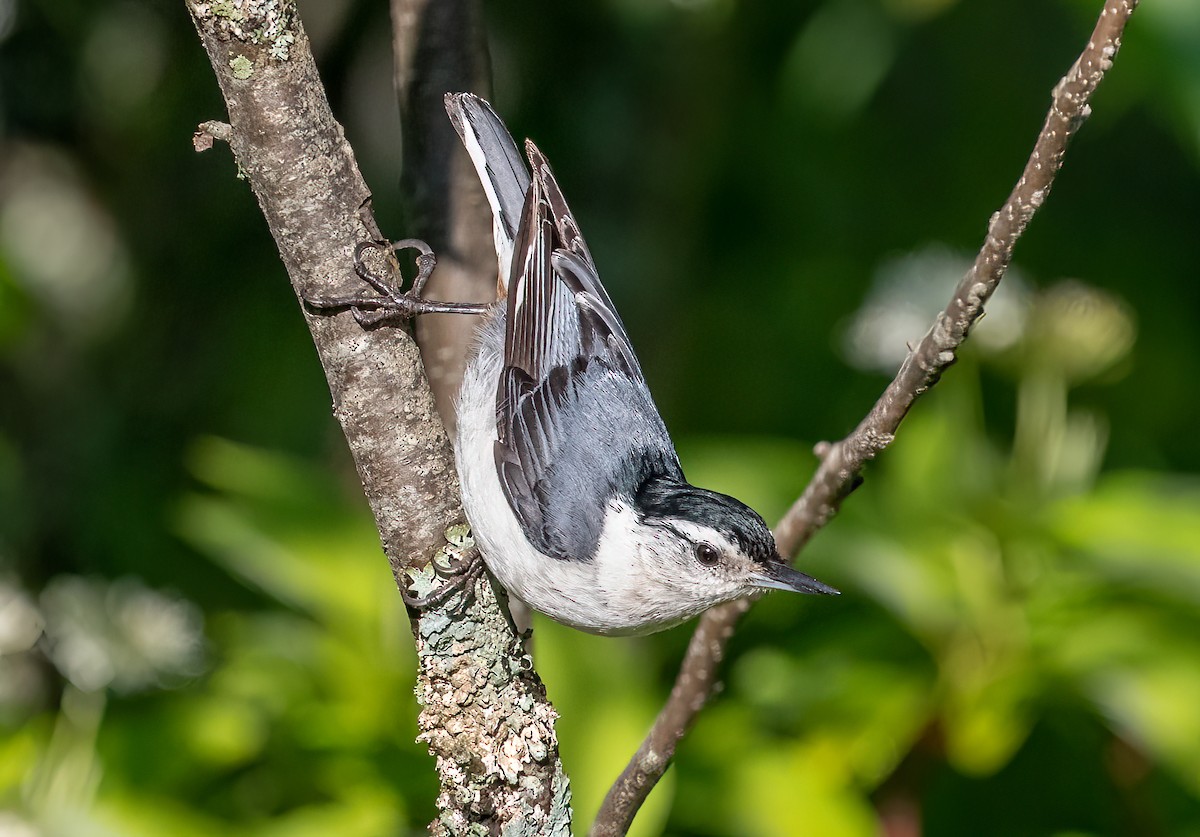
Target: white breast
(606,595)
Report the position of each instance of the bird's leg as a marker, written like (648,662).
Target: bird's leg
(392,303)
(459,574)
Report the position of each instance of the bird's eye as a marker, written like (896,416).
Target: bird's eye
(707,554)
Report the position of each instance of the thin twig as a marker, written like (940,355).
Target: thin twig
(842,461)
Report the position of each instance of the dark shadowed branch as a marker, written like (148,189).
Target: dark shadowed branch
(842,462)
(440,47)
(485,716)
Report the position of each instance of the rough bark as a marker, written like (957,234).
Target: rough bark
(842,462)
(485,715)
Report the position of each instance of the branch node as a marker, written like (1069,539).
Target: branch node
(209,131)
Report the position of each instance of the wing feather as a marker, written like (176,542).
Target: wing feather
(500,168)
(571,395)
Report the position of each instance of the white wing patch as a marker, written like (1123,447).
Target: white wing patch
(504,243)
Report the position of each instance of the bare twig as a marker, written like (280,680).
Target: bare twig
(842,461)
(485,715)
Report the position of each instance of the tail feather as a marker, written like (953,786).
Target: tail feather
(500,167)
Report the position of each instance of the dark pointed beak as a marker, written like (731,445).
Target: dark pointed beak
(778,575)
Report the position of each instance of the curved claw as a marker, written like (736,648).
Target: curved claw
(379,283)
(460,577)
(392,303)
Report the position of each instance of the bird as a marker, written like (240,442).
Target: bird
(570,481)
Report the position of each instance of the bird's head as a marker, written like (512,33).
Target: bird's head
(713,547)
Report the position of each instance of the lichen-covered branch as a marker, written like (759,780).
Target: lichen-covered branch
(841,462)
(485,716)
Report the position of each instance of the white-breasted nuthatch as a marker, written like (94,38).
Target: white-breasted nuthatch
(570,480)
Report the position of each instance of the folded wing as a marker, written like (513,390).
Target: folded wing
(577,425)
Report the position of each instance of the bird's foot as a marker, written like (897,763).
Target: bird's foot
(458,575)
(392,303)
(457,564)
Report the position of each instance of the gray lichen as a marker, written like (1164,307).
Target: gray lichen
(490,727)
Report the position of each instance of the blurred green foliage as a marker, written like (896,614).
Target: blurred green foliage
(198,634)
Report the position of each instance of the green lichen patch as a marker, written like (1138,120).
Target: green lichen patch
(242,67)
(269,23)
(226,9)
(460,535)
(423,581)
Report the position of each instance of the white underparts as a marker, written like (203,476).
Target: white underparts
(606,594)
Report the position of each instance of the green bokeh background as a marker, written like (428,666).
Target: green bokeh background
(198,633)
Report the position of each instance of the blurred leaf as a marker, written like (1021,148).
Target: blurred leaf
(804,788)
(986,721)
(18,753)
(840,58)
(1139,529)
(223,732)
(1154,704)
(266,526)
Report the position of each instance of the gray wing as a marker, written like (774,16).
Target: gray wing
(574,266)
(576,423)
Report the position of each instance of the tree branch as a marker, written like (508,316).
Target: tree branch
(841,462)
(485,715)
(441,48)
